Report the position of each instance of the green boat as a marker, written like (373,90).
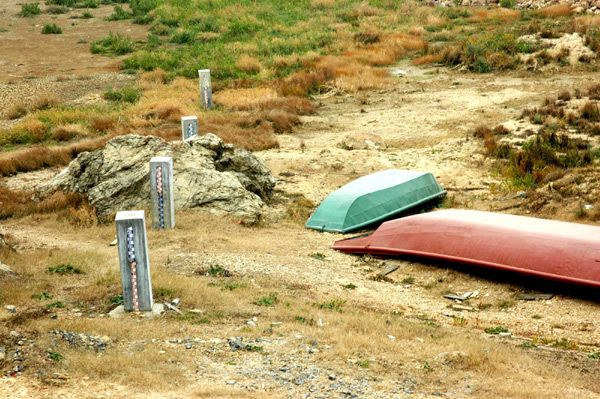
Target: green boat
(374,198)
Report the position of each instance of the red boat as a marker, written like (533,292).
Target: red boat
(560,251)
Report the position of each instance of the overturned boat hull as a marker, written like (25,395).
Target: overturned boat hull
(374,198)
(560,251)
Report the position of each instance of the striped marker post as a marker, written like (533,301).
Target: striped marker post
(133,266)
(189,127)
(162,193)
(134,261)
(205,88)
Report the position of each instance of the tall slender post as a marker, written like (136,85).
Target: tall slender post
(189,127)
(162,193)
(205,88)
(134,261)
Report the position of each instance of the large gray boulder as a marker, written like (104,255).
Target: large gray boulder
(206,173)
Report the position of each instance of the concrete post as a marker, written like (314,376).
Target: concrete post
(161,193)
(205,88)
(189,127)
(133,257)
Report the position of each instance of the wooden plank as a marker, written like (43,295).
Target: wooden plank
(389,270)
(534,297)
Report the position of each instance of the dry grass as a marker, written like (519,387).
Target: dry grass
(44,101)
(42,157)
(16,111)
(498,14)
(249,64)
(376,54)
(68,132)
(244,99)
(428,59)
(557,10)
(408,41)
(587,20)
(322,3)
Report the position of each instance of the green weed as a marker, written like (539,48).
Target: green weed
(496,330)
(269,300)
(126,94)
(64,269)
(29,10)
(116,44)
(335,304)
(51,29)
(119,14)
(42,297)
(57,357)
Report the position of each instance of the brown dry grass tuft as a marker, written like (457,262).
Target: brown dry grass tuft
(148,80)
(16,111)
(322,3)
(428,59)
(102,124)
(376,55)
(257,98)
(44,101)
(499,14)
(68,132)
(557,10)
(42,157)
(19,203)
(163,109)
(249,64)
(408,41)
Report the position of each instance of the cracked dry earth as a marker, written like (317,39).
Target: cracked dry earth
(425,120)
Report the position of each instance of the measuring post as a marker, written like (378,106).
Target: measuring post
(189,127)
(161,193)
(133,257)
(205,88)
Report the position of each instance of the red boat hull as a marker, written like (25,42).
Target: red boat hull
(560,251)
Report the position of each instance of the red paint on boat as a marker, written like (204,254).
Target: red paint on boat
(560,251)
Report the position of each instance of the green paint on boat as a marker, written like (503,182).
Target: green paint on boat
(373,198)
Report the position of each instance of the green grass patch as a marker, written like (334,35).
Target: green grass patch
(127,94)
(496,330)
(335,304)
(42,297)
(114,43)
(65,269)
(51,29)
(119,14)
(30,10)
(269,300)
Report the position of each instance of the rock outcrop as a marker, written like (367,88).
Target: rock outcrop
(206,173)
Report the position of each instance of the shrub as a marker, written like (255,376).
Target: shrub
(16,111)
(126,94)
(590,112)
(57,10)
(51,29)
(119,14)
(87,15)
(113,44)
(508,3)
(64,269)
(29,10)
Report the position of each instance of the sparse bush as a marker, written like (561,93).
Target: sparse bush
(113,44)
(269,300)
(496,330)
(51,29)
(87,15)
(57,10)
(565,96)
(29,10)
(590,112)
(119,14)
(64,269)
(127,94)
(508,3)
(16,111)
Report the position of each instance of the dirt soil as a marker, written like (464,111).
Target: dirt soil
(425,119)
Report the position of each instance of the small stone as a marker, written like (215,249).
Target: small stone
(320,323)
(231,382)
(391,337)
(188,346)
(14,334)
(505,334)
(420,340)
(332,377)
(117,312)
(113,243)
(251,324)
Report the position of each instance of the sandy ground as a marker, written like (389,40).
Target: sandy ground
(424,118)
